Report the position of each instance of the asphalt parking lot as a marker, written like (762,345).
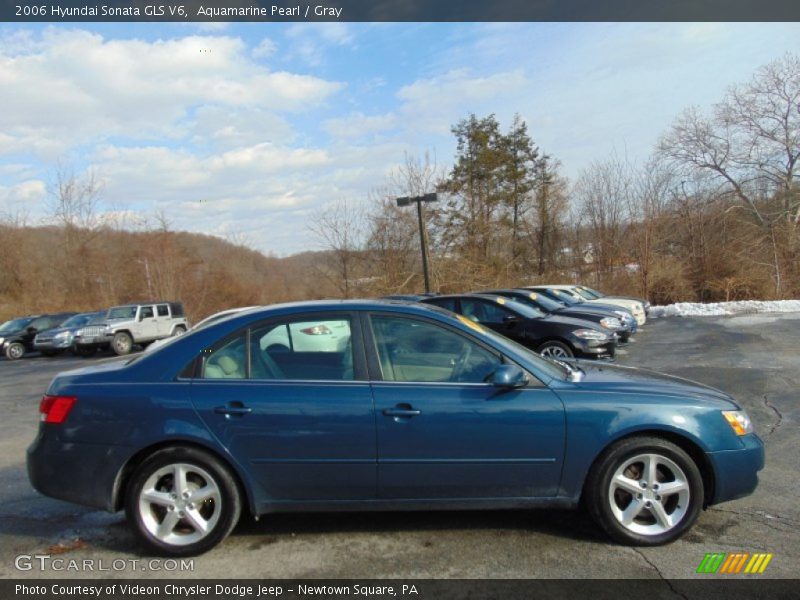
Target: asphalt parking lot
(753,357)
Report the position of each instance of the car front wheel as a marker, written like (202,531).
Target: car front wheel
(645,491)
(15,351)
(555,349)
(122,343)
(182,502)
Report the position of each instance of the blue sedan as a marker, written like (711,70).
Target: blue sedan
(387,405)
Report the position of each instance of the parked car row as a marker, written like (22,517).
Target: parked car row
(118,328)
(557,321)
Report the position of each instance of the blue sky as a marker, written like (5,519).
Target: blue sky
(246,130)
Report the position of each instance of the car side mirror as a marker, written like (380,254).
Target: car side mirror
(509,377)
(31,330)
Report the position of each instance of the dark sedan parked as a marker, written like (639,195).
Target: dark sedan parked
(553,336)
(59,339)
(420,409)
(17,335)
(552,307)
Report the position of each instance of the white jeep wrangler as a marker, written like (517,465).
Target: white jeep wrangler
(142,323)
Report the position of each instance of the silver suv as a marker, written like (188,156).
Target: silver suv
(129,324)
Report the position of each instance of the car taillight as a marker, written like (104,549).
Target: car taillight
(55,409)
(317,330)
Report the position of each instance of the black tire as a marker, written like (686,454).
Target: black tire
(229,505)
(598,496)
(559,349)
(122,343)
(15,350)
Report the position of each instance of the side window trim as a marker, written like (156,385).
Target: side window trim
(356,335)
(376,373)
(373,361)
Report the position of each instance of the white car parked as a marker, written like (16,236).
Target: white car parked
(634,306)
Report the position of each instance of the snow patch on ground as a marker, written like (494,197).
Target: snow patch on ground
(696,309)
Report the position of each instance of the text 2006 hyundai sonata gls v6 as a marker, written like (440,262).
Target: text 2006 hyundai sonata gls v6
(381,405)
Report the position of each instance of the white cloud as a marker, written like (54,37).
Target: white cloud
(309,42)
(433,104)
(264,49)
(75,87)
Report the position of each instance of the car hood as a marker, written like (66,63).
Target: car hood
(631,380)
(56,331)
(613,302)
(15,333)
(575,322)
(587,309)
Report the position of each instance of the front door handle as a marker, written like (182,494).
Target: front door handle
(234,409)
(401,411)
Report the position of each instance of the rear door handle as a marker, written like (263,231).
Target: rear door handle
(401,411)
(233,411)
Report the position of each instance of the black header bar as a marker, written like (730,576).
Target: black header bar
(398,10)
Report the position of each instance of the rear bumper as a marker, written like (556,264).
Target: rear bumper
(85,474)
(736,471)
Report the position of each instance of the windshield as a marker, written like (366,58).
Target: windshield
(540,301)
(76,321)
(582,293)
(122,312)
(523,309)
(593,294)
(15,324)
(564,297)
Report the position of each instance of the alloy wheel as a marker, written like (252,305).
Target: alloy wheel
(180,504)
(555,352)
(649,494)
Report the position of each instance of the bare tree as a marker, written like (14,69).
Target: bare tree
(339,228)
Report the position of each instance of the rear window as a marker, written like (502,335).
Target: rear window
(177,309)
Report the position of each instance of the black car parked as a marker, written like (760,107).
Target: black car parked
(17,335)
(541,302)
(549,335)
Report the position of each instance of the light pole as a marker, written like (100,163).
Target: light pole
(418,200)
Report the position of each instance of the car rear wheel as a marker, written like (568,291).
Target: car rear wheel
(182,502)
(645,491)
(554,349)
(179,330)
(122,343)
(15,351)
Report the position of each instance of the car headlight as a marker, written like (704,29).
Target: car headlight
(739,421)
(62,336)
(610,323)
(590,334)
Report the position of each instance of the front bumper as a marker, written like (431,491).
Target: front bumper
(736,471)
(98,341)
(53,344)
(595,348)
(85,474)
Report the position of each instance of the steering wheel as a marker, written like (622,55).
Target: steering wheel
(461,363)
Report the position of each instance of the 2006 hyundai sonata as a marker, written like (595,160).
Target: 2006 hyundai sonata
(381,405)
